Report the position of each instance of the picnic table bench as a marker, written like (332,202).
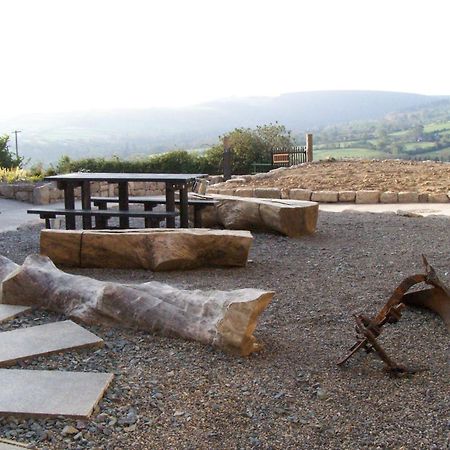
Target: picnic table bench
(149,202)
(152,218)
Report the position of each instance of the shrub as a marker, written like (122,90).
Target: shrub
(16,174)
(7,159)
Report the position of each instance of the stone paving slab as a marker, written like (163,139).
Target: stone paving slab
(6,444)
(24,343)
(51,393)
(8,312)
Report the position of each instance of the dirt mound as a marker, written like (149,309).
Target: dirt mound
(388,175)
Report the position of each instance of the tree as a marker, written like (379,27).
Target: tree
(254,145)
(7,159)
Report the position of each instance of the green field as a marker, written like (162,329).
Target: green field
(361,153)
(442,153)
(437,126)
(412,146)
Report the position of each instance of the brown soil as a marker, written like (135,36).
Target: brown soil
(390,175)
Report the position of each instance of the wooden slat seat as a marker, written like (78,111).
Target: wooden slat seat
(152,218)
(150,202)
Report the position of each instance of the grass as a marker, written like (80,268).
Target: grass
(442,153)
(361,153)
(437,126)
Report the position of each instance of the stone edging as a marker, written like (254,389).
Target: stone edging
(360,197)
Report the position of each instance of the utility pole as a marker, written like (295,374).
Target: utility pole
(16,132)
(226,158)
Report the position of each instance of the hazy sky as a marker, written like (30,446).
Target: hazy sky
(83,54)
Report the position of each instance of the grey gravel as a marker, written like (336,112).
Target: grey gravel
(169,393)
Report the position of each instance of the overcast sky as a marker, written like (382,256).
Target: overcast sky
(62,55)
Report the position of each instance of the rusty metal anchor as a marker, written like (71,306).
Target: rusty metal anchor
(436,299)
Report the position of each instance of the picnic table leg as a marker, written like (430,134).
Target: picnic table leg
(184,212)
(198,216)
(170,204)
(69,203)
(101,222)
(124,222)
(148,221)
(86,203)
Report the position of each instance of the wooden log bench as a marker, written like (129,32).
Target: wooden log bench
(149,202)
(152,218)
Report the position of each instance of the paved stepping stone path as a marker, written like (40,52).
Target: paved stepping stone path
(46,393)
(51,392)
(8,312)
(11,445)
(45,339)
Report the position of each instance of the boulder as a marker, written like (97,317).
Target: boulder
(367,197)
(347,196)
(324,196)
(408,197)
(438,198)
(300,194)
(266,193)
(243,192)
(389,197)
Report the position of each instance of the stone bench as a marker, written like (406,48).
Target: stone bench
(291,218)
(158,249)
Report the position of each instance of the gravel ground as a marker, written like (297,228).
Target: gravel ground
(173,394)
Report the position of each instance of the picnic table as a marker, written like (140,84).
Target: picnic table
(173,182)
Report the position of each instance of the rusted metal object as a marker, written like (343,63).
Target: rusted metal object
(367,330)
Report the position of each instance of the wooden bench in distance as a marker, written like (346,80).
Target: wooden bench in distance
(160,249)
(152,218)
(150,202)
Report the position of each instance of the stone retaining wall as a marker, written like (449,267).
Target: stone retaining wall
(45,193)
(362,197)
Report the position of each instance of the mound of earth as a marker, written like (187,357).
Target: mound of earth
(387,175)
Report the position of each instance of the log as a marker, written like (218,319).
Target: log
(153,249)
(293,218)
(224,319)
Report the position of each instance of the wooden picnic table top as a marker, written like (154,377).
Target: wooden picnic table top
(118,177)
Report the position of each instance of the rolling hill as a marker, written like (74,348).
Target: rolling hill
(45,137)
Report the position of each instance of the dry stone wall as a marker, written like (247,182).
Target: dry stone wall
(45,193)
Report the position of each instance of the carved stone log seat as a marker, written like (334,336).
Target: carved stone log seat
(293,218)
(223,319)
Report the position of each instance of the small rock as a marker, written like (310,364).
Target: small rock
(68,429)
(321,393)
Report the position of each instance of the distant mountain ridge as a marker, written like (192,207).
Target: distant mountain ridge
(45,137)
